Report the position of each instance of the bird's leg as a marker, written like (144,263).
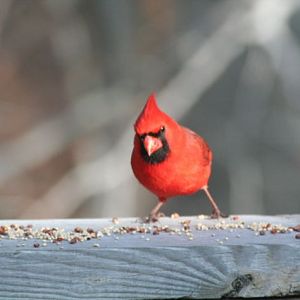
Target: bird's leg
(155,214)
(216,213)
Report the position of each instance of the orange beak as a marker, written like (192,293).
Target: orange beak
(152,144)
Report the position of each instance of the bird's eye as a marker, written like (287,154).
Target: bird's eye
(142,137)
(162,129)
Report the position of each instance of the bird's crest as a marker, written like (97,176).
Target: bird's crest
(151,118)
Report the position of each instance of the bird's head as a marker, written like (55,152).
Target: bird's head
(153,130)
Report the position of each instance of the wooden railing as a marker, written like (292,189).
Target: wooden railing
(191,257)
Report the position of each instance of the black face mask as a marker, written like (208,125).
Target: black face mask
(161,154)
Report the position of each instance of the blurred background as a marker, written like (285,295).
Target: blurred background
(75,74)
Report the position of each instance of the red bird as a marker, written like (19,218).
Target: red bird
(168,159)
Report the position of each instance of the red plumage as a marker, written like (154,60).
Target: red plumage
(179,162)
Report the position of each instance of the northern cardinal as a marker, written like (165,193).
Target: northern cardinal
(169,159)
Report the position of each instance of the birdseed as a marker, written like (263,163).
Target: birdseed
(115,220)
(175,216)
(45,235)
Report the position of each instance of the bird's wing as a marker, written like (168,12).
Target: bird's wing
(205,151)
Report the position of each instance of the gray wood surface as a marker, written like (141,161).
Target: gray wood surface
(196,264)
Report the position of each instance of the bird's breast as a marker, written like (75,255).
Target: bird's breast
(179,174)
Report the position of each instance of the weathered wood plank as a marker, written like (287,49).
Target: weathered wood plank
(199,264)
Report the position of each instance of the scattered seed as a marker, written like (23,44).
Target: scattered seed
(201,227)
(155,232)
(57,235)
(74,240)
(78,230)
(201,217)
(186,222)
(175,216)
(297,236)
(186,225)
(36,245)
(115,220)
(99,234)
(3,230)
(58,240)
(296,228)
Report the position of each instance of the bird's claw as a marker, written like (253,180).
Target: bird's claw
(217,214)
(154,217)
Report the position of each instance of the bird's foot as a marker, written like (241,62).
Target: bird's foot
(217,214)
(154,217)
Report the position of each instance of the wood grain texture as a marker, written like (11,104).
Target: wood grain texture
(146,266)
